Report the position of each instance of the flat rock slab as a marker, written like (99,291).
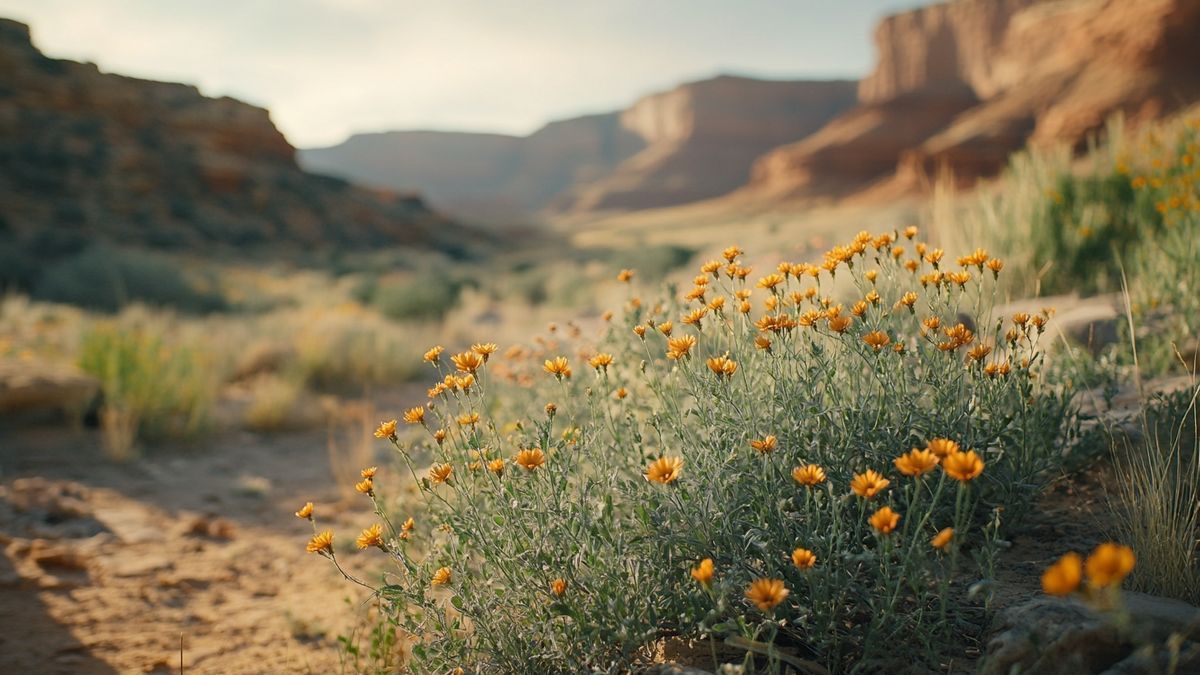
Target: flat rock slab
(135,564)
(32,384)
(131,524)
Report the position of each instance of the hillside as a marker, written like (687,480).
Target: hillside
(693,142)
(92,156)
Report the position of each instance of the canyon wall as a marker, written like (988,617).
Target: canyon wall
(959,86)
(88,155)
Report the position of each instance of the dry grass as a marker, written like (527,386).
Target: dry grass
(272,401)
(1157,496)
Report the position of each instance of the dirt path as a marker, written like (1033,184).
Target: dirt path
(106,565)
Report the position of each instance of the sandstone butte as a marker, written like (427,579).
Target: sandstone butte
(88,155)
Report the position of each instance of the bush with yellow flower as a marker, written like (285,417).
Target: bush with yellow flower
(776,469)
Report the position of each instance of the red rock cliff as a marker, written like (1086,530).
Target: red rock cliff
(961,85)
(88,155)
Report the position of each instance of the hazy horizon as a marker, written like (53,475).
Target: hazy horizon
(471,66)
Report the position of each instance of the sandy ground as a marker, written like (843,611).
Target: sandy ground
(106,566)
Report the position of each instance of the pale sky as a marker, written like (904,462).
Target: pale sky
(329,68)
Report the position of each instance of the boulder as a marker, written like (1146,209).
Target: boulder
(1054,636)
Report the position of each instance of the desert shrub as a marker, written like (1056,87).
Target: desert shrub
(155,384)
(349,348)
(415,299)
(106,279)
(1062,227)
(272,398)
(1164,270)
(706,472)
(654,261)
(19,267)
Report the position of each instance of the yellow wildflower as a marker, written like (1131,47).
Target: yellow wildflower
(703,572)
(414,415)
(679,347)
(558,367)
(765,445)
(942,447)
(372,536)
(386,429)
(601,361)
(942,539)
(808,475)
(530,458)
(496,466)
(877,339)
(885,520)
(963,466)
(1109,564)
(1063,577)
(664,470)
(441,577)
(916,462)
(440,473)
(485,349)
(722,366)
(467,362)
(322,542)
(766,593)
(868,483)
(803,558)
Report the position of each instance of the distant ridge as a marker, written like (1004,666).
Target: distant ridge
(696,141)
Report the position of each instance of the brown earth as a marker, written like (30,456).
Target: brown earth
(106,567)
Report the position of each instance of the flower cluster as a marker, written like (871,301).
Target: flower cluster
(815,452)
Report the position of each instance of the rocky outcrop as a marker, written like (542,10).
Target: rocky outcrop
(1064,637)
(1039,71)
(89,155)
(696,141)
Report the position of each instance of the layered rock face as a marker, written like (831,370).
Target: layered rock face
(88,155)
(1040,71)
(694,142)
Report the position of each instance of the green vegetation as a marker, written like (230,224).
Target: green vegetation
(154,386)
(106,279)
